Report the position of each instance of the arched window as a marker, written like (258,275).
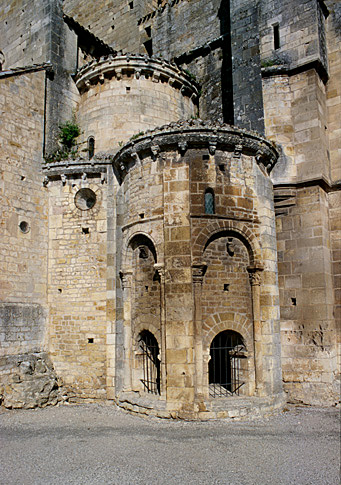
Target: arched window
(225,366)
(209,202)
(151,364)
(91,147)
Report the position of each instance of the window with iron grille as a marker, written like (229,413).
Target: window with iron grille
(209,202)
(226,366)
(150,361)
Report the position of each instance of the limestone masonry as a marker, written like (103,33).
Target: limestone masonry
(170,204)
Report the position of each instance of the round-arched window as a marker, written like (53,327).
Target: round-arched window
(151,364)
(226,375)
(209,202)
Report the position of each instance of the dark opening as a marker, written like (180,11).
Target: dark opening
(91,147)
(293,301)
(209,202)
(141,215)
(226,68)
(90,340)
(205,157)
(131,5)
(127,89)
(277,43)
(85,230)
(226,287)
(148,31)
(151,364)
(227,351)
(24,227)
(222,168)
(148,45)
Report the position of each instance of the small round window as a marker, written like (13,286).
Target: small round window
(24,227)
(85,199)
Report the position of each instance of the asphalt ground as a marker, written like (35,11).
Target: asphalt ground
(93,444)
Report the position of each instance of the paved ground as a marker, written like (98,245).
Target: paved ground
(92,444)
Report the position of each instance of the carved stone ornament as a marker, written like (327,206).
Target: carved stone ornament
(182,146)
(155,149)
(63,178)
(255,275)
(212,148)
(198,272)
(238,150)
(126,278)
(160,268)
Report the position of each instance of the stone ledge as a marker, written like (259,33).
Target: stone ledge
(186,134)
(136,65)
(234,408)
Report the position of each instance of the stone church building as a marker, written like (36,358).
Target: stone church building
(169,204)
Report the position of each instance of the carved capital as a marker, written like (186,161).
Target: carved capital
(126,278)
(160,268)
(198,272)
(255,275)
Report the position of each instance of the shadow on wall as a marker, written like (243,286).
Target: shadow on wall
(226,68)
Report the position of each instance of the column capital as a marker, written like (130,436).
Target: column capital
(160,268)
(126,276)
(198,272)
(255,275)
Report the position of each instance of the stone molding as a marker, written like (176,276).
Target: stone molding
(80,166)
(136,65)
(186,134)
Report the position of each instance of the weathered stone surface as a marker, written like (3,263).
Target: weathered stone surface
(33,384)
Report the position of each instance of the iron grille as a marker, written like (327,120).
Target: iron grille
(151,364)
(225,366)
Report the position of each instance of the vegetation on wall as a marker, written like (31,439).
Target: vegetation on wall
(68,133)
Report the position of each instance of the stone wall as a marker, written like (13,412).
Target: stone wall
(24,217)
(301,26)
(77,283)
(126,95)
(164,223)
(333,88)
(306,295)
(34,33)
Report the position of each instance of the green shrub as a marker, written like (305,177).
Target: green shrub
(68,133)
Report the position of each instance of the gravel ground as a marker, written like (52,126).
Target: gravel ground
(93,444)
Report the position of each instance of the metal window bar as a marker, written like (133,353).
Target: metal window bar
(151,364)
(225,366)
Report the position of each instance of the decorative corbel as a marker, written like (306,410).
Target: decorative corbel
(212,145)
(103,177)
(238,150)
(45,181)
(155,149)
(63,178)
(182,145)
